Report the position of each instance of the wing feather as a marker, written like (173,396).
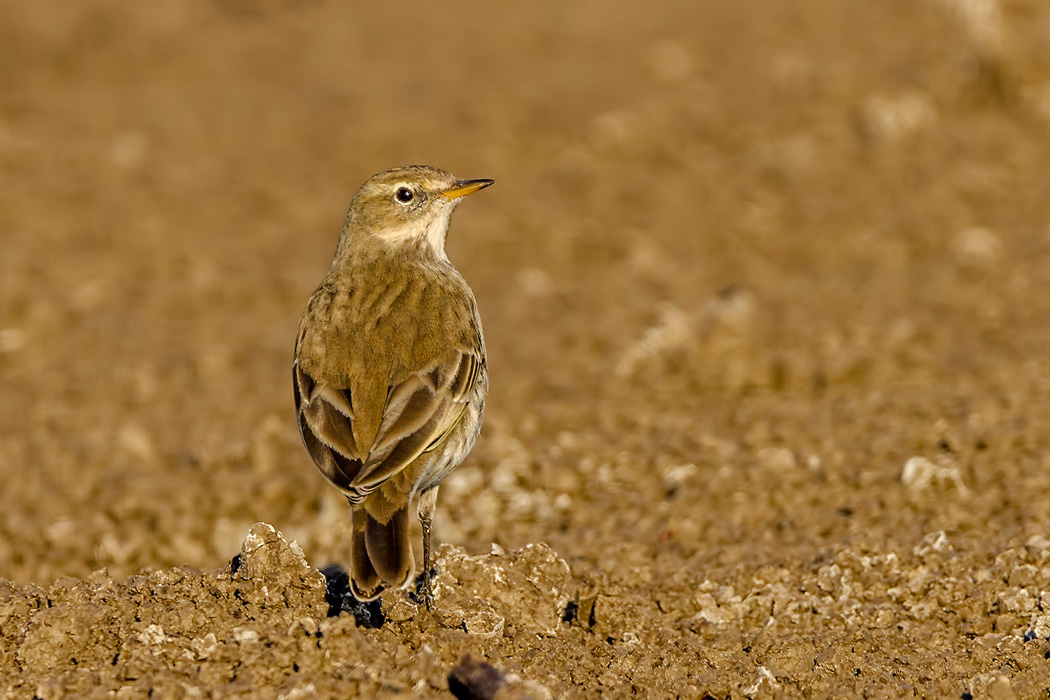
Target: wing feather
(419,413)
(326,431)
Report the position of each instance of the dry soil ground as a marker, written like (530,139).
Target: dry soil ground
(765,286)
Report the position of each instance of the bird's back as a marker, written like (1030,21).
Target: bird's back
(371,328)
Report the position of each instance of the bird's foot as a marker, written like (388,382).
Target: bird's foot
(425,589)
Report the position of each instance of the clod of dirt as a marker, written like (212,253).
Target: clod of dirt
(479,593)
(170,625)
(472,679)
(341,598)
(273,573)
(475,679)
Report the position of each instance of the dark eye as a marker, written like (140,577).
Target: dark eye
(404,195)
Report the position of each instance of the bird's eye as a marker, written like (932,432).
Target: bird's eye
(404,195)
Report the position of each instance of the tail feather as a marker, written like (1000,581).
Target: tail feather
(364,580)
(380,553)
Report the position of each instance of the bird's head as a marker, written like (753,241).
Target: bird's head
(410,206)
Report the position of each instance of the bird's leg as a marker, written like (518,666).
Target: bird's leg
(427,503)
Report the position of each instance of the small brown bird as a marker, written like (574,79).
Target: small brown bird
(389,372)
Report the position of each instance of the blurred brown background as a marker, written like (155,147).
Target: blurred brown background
(744,260)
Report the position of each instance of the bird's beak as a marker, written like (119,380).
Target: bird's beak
(461,188)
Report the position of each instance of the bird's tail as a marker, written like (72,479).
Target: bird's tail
(380,553)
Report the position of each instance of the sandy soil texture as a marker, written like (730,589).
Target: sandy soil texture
(766,289)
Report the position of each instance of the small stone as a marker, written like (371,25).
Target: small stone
(483,623)
(920,473)
(990,686)
(153,635)
(1024,575)
(397,608)
(243,634)
(476,679)
(475,616)
(205,646)
(935,542)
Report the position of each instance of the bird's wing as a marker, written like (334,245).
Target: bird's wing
(420,411)
(325,422)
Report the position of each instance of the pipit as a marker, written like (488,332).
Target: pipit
(389,372)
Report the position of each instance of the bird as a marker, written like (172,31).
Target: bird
(389,373)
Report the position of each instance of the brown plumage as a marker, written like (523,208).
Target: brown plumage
(389,373)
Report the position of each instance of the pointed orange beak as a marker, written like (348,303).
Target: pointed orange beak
(461,188)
